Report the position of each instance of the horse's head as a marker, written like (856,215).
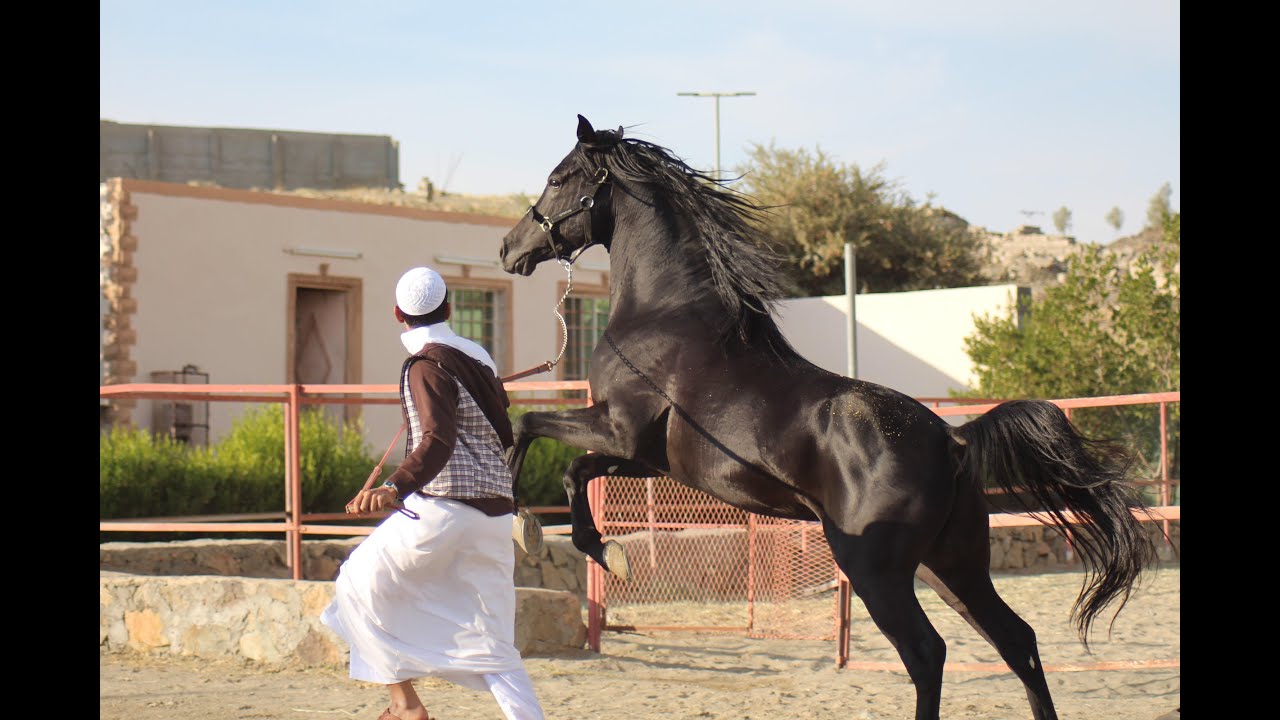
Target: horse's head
(560,224)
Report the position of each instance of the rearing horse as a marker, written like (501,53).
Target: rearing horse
(695,381)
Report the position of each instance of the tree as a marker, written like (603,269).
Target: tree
(1115,218)
(1062,219)
(1158,208)
(816,204)
(1106,330)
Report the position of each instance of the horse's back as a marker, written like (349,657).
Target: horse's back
(811,443)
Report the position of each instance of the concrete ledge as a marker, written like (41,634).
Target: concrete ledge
(277,621)
(559,566)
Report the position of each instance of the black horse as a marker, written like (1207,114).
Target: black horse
(694,380)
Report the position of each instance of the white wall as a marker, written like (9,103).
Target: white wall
(912,341)
(212,286)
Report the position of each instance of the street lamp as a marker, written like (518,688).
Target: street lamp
(717,96)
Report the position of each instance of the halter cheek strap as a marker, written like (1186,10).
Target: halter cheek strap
(548,225)
(585,203)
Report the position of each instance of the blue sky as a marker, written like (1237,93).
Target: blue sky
(993,107)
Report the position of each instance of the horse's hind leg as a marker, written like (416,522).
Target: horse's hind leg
(586,537)
(965,584)
(886,586)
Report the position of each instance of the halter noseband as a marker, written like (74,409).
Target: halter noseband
(585,203)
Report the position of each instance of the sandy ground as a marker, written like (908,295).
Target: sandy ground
(652,675)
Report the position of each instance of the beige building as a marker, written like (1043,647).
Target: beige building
(255,287)
(249,287)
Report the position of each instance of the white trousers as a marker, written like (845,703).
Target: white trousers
(434,597)
(514,692)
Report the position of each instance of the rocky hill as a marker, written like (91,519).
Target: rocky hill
(1029,257)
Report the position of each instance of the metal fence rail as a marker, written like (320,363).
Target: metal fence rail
(786,566)
(293,523)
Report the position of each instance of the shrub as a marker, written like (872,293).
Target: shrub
(542,477)
(141,475)
(335,460)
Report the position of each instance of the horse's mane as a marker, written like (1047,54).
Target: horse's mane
(742,266)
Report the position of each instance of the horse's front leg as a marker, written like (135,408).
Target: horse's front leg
(586,537)
(588,428)
(593,430)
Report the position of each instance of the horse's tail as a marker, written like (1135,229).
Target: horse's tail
(1031,446)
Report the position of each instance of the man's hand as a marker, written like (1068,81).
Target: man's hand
(379,498)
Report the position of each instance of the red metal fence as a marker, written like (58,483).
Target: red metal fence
(775,586)
(294,523)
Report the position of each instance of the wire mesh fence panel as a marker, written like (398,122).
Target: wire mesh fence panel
(687,553)
(794,580)
(699,564)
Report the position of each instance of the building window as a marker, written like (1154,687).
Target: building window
(585,318)
(478,315)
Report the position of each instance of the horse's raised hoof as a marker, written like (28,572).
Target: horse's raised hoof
(526,530)
(615,560)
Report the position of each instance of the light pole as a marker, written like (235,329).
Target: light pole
(717,96)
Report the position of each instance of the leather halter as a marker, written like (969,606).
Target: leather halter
(585,203)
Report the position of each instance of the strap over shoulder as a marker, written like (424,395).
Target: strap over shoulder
(479,381)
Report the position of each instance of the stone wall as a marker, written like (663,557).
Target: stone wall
(718,566)
(276,621)
(559,566)
(245,558)
(235,598)
(1039,548)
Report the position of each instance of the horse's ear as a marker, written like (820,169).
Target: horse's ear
(586,133)
(619,132)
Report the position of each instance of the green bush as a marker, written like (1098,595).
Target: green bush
(335,460)
(141,475)
(542,477)
(145,476)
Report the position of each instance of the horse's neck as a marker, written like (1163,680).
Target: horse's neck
(652,271)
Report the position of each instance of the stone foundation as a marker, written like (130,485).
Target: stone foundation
(276,621)
(559,566)
(255,613)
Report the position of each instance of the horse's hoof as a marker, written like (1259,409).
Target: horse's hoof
(526,530)
(615,560)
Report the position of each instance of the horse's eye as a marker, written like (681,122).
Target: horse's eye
(554,182)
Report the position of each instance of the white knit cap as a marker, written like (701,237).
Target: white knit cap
(420,291)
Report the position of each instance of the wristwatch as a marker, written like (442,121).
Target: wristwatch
(396,490)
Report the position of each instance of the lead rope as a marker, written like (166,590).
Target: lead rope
(564,327)
(377,471)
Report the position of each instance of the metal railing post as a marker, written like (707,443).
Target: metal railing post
(1164,470)
(289,559)
(294,532)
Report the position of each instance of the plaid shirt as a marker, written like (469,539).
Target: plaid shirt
(476,469)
